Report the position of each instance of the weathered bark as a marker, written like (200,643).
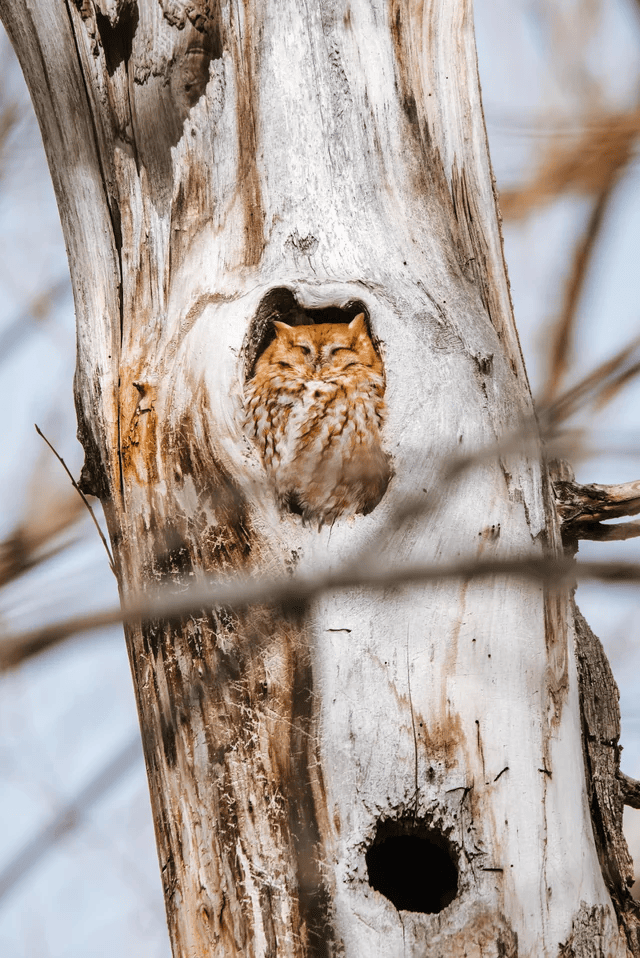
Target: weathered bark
(215,161)
(605,787)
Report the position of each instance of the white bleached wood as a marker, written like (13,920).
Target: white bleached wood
(205,154)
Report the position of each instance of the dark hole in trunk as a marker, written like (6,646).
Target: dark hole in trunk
(413,866)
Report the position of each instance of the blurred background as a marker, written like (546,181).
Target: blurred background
(78,869)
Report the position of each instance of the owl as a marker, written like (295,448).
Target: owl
(315,405)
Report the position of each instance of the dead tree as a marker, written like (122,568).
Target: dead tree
(425,771)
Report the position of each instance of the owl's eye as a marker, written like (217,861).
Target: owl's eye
(305,349)
(339,349)
(285,365)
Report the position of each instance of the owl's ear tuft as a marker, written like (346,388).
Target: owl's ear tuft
(281,327)
(359,324)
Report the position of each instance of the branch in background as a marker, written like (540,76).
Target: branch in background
(9,109)
(592,165)
(592,161)
(70,816)
(297,591)
(596,388)
(8,120)
(49,516)
(19,553)
(563,331)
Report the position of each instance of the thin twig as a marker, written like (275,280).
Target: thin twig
(83,497)
(241,593)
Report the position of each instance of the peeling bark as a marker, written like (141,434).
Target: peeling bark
(218,163)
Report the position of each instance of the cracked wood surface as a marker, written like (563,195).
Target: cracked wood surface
(204,154)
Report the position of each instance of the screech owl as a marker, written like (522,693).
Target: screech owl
(315,405)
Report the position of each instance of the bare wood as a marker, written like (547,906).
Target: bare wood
(211,161)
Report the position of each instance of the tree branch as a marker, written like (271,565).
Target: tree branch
(630,790)
(583,509)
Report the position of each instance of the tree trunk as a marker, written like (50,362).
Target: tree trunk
(376,773)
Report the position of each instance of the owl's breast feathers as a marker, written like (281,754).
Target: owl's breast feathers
(319,439)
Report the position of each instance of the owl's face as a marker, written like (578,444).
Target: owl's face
(321,352)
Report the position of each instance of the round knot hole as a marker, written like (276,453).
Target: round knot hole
(413,865)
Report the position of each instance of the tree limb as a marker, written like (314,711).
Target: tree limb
(630,790)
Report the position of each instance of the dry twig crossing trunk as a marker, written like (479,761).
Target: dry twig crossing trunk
(376,774)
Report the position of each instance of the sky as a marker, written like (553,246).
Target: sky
(97,893)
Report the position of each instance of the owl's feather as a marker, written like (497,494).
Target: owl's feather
(315,406)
